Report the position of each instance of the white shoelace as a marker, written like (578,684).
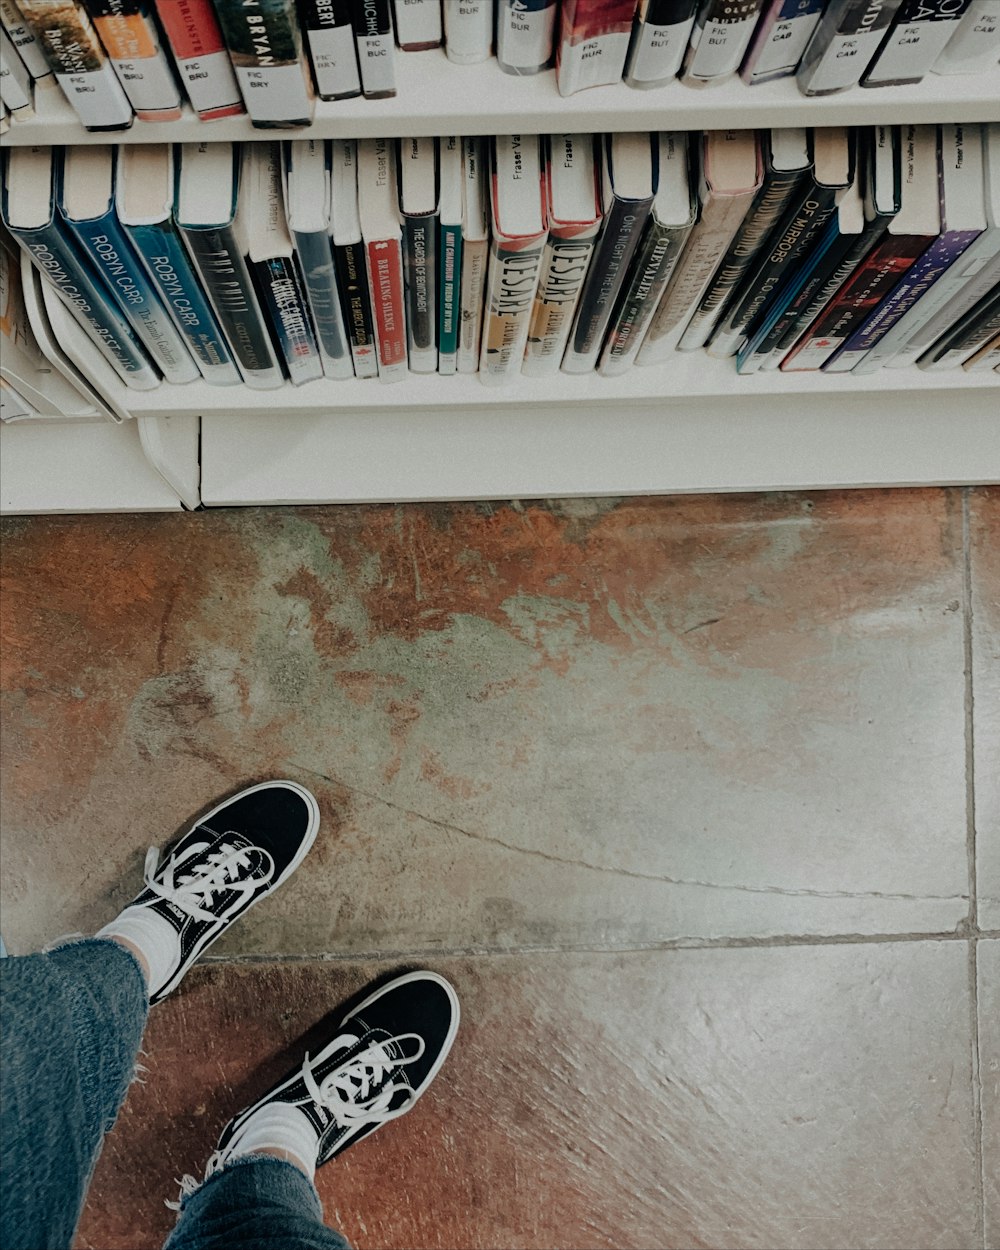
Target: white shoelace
(193,891)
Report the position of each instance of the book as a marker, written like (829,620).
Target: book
(349,256)
(16,84)
(85,196)
(942,269)
(263,230)
(979,325)
(208,184)
(520,229)
(144,201)
(592,44)
(573,196)
(418,24)
(475,251)
(629,174)
(29,213)
(780,40)
(132,41)
(199,53)
(731,170)
(307,192)
(787,157)
(660,35)
(719,39)
(4,118)
(985,357)
(373,33)
(793,237)
(975,45)
(265,47)
(525,35)
(329,31)
(674,212)
(449,253)
(468,31)
(69,41)
(843,44)
(968,280)
(914,42)
(417,173)
(23,39)
(378,206)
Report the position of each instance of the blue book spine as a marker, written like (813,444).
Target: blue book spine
(449,297)
(315,253)
(281,292)
(165,260)
(103,242)
(54,257)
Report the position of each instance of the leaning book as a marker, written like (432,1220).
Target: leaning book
(265,45)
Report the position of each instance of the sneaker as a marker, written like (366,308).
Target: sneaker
(226,862)
(385,1053)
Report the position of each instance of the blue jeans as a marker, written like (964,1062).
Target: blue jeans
(72,1021)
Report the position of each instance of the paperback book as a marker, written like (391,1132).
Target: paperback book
(660,38)
(475,251)
(378,204)
(199,52)
(265,46)
(131,38)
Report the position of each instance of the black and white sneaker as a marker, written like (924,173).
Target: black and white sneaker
(242,850)
(385,1053)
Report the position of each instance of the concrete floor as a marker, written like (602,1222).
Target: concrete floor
(696,801)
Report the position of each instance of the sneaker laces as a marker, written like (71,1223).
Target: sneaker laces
(193,892)
(353,1092)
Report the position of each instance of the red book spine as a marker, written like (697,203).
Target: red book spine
(202,57)
(385,281)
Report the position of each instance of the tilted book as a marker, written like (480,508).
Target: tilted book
(845,41)
(132,41)
(199,52)
(468,31)
(417,172)
(520,228)
(145,204)
(449,253)
(660,37)
(376,47)
(349,256)
(674,212)
(629,175)
(985,357)
(592,44)
(307,187)
(378,205)
(918,37)
(719,39)
(418,24)
(265,47)
(16,84)
(22,37)
(975,45)
(525,35)
(967,336)
(475,250)
(29,213)
(86,202)
(79,62)
(207,192)
(780,39)
(329,28)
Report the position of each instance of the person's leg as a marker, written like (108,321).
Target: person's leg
(71,1022)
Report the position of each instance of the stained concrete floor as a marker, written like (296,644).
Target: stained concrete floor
(695,800)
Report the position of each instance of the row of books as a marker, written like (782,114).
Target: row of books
(115,59)
(831,249)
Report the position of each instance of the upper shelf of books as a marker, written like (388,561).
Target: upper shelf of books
(437,97)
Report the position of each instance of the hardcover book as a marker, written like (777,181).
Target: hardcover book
(719,38)
(199,52)
(525,35)
(23,39)
(843,44)
(660,37)
(593,42)
(378,204)
(418,24)
(449,253)
(468,31)
(975,45)
(780,39)
(475,251)
(132,40)
(376,47)
(417,172)
(329,29)
(265,47)
(917,38)
(349,257)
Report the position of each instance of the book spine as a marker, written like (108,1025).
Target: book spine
(352,278)
(985,357)
(525,35)
(163,256)
(975,45)
(979,278)
(468,31)
(475,266)
(511,285)
(78,60)
(420,270)
(129,35)
(376,48)
(386,289)
(226,279)
(418,24)
(977,327)
(594,37)
(565,262)
(765,213)
(916,40)
(660,37)
(319,276)
(330,34)
(111,256)
(199,52)
(780,40)
(22,37)
(655,262)
(449,297)
(917,280)
(843,44)
(719,38)
(265,46)
(16,89)
(284,302)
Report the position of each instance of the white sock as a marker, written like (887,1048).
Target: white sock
(154,936)
(278,1126)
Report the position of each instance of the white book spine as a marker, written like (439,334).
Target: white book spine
(910,52)
(975,45)
(596,62)
(475,262)
(98,98)
(468,30)
(15,81)
(209,81)
(335,62)
(23,38)
(275,93)
(784,47)
(717,48)
(525,33)
(657,53)
(418,23)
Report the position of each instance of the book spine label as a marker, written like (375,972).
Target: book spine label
(201,58)
(418,24)
(266,50)
(315,255)
(468,31)
(845,41)
(655,262)
(719,38)
(386,288)
(166,262)
(525,35)
(420,269)
(475,265)
(513,280)
(376,47)
(356,304)
(330,33)
(15,81)
(278,281)
(919,36)
(449,297)
(781,39)
(129,34)
(22,37)
(659,40)
(564,268)
(975,45)
(594,37)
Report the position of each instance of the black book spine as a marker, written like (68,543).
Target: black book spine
(283,296)
(352,279)
(980,323)
(329,27)
(376,47)
(420,272)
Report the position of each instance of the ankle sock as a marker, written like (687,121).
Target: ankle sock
(277,1126)
(152,935)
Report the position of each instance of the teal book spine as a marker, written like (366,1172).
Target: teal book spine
(449,296)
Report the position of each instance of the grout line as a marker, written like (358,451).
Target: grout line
(977,1093)
(970,741)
